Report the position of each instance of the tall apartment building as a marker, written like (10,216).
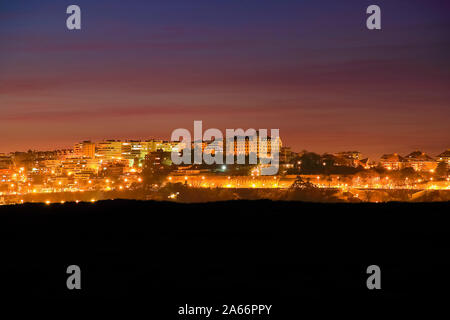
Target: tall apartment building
(132,149)
(150,146)
(109,150)
(85,149)
(5,161)
(259,145)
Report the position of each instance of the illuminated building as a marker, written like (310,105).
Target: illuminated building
(349,158)
(168,146)
(5,161)
(132,151)
(150,146)
(213,146)
(136,148)
(109,150)
(248,145)
(77,165)
(444,157)
(113,169)
(286,155)
(82,175)
(85,149)
(153,145)
(420,161)
(392,161)
(158,159)
(64,154)
(61,181)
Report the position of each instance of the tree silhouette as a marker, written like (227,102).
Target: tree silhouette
(299,183)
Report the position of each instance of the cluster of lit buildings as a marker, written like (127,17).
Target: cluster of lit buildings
(115,165)
(129,152)
(417,160)
(105,166)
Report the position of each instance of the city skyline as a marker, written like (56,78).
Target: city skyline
(153,138)
(146,170)
(312,70)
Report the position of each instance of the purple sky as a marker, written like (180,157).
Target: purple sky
(140,69)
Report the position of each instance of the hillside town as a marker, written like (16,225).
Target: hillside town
(116,169)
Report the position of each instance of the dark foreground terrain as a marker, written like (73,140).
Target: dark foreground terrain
(241,252)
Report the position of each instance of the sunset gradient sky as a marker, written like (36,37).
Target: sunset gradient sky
(140,69)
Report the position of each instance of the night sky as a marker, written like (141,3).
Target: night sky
(140,69)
